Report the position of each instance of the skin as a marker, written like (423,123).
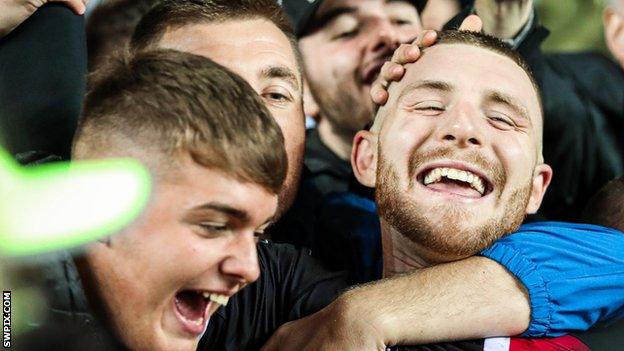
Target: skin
(182,242)
(340,55)
(460,124)
(437,13)
(272,71)
(503,18)
(613,20)
(14,12)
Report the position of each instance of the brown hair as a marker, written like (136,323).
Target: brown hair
(606,207)
(110,26)
(172,14)
(165,104)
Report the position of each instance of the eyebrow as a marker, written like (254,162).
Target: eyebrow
(509,101)
(426,84)
(331,15)
(225,209)
(281,72)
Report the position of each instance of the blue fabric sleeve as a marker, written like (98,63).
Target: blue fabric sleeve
(574,274)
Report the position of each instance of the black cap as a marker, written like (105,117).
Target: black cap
(301,12)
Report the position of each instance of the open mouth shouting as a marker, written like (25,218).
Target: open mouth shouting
(193,308)
(456,180)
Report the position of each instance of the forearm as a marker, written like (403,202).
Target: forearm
(12,13)
(472,298)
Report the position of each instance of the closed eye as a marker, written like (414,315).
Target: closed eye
(430,108)
(402,22)
(346,35)
(213,228)
(502,122)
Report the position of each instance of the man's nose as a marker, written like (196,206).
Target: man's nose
(384,36)
(462,127)
(241,259)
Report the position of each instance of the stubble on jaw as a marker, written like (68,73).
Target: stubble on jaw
(342,107)
(443,229)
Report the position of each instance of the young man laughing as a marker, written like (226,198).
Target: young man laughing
(218,162)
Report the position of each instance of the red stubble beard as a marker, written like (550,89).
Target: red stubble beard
(446,230)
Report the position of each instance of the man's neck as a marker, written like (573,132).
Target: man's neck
(339,144)
(402,255)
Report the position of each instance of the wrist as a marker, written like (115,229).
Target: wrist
(354,313)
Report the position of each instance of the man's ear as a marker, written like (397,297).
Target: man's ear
(310,107)
(364,158)
(542,175)
(614,33)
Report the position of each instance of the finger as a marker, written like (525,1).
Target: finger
(391,71)
(472,23)
(379,95)
(427,38)
(406,53)
(77,6)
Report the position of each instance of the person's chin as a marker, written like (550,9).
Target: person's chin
(175,342)
(174,334)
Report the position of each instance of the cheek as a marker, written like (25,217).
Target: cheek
(517,159)
(292,125)
(412,132)
(333,61)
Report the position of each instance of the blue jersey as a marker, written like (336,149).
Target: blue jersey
(574,274)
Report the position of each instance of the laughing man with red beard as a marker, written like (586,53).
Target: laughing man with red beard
(455,160)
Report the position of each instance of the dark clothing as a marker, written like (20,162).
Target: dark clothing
(349,236)
(583,98)
(70,323)
(298,225)
(292,285)
(43,66)
(328,172)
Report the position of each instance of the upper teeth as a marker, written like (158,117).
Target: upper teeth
(220,299)
(436,174)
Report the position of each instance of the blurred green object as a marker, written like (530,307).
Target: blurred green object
(575,25)
(63,205)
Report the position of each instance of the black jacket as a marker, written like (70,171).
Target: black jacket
(43,66)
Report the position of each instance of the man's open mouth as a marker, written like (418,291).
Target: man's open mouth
(193,308)
(372,69)
(456,181)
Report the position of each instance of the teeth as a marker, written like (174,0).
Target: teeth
(216,298)
(436,174)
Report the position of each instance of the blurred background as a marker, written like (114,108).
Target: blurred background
(574,24)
